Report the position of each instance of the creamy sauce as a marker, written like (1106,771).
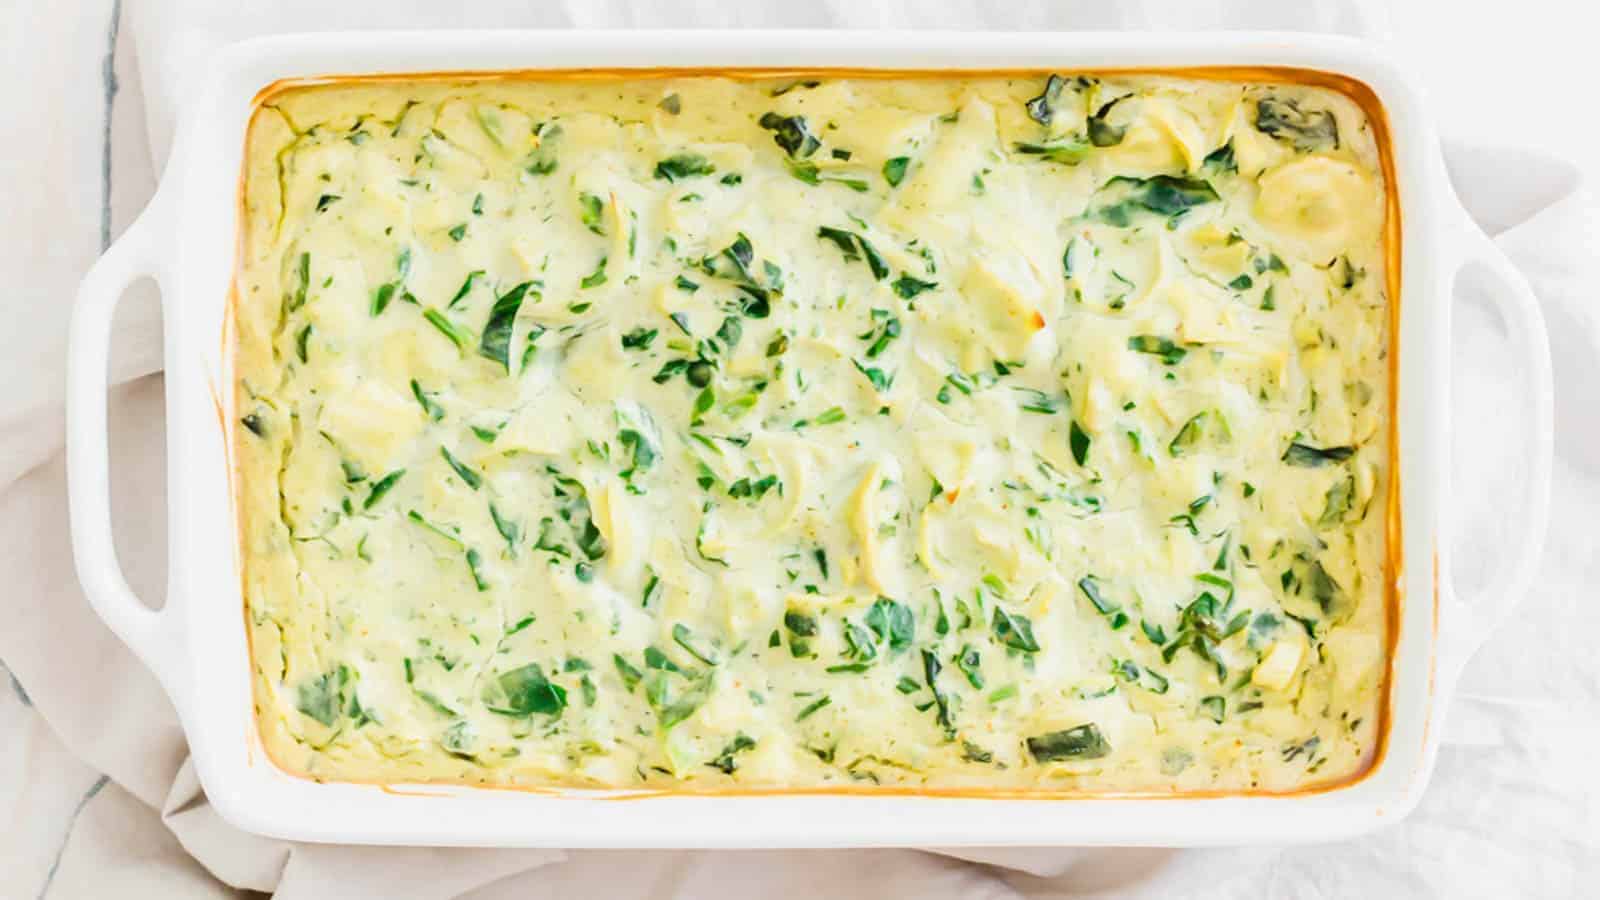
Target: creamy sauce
(744,433)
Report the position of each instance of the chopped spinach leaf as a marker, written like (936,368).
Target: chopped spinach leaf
(792,134)
(1066,150)
(894,170)
(302,281)
(855,247)
(930,675)
(907,286)
(1307,130)
(508,529)
(1189,435)
(1042,109)
(1221,159)
(1081,742)
(809,173)
(1038,402)
(683,637)
(528,692)
(1014,630)
(591,211)
(322,698)
(639,338)
(830,416)
(466,288)
(892,621)
(968,661)
(724,762)
(684,165)
(495,344)
(1171,354)
(381,297)
(641,452)
(1091,589)
(1165,195)
(881,382)
(1307,456)
(673,705)
(630,675)
(802,627)
(1101,132)
(1336,505)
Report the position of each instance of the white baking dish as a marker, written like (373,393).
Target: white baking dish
(196,644)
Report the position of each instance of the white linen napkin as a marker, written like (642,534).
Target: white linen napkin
(1520,730)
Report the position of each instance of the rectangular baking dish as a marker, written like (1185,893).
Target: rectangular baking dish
(196,644)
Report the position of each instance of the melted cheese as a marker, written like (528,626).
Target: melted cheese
(705,432)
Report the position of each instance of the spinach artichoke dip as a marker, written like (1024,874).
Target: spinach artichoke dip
(732,432)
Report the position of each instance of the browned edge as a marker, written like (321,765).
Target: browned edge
(1356,90)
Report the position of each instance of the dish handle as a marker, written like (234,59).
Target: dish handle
(146,631)
(1466,622)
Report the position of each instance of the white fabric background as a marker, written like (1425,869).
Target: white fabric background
(95,796)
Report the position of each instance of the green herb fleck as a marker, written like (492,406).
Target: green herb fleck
(446,327)
(429,406)
(813,706)
(630,675)
(591,211)
(830,416)
(1189,435)
(1079,441)
(473,479)
(894,170)
(907,286)
(466,288)
(381,487)
(595,278)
